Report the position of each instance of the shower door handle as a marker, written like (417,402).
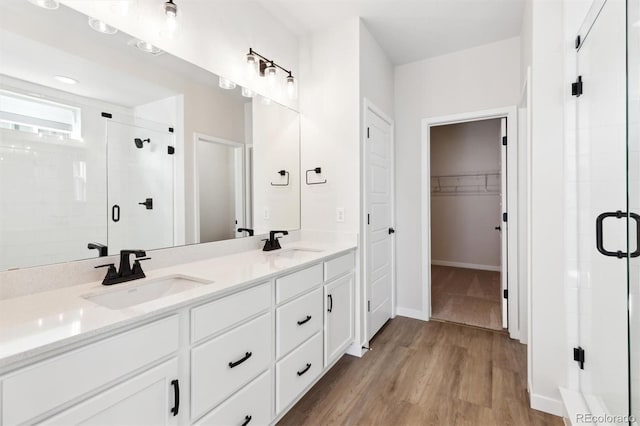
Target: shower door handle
(599,234)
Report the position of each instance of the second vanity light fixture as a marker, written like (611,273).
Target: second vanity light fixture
(269,68)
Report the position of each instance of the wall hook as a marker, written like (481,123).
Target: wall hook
(282,173)
(317,171)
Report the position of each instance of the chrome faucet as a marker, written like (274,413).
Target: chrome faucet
(126,272)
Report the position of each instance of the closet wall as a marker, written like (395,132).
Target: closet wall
(463,215)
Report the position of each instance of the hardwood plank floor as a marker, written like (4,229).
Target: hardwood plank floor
(425,373)
(466,296)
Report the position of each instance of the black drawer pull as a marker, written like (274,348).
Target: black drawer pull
(240,361)
(247,419)
(304,321)
(330,308)
(176,397)
(304,370)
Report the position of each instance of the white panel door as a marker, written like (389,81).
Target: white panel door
(504,233)
(379,231)
(140,175)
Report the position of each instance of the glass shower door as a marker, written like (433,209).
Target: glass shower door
(140,185)
(633,175)
(601,209)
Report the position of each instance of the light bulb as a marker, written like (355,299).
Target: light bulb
(291,86)
(252,62)
(270,73)
(226,84)
(171,12)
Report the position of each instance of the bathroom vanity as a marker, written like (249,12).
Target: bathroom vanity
(241,342)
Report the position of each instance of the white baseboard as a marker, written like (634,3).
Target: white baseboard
(548,405)
(466,265)
(412,313)
(355,350)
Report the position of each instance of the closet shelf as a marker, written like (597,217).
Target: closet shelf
(481,183)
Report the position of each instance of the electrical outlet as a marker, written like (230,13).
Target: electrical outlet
(267,214)
(340,214)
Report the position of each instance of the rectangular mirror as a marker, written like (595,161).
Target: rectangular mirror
(107,143)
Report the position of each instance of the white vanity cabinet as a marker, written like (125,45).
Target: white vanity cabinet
(243,358)
(150,398)
(30,393)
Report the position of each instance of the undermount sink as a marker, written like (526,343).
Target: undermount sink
(136,294)
(295,252)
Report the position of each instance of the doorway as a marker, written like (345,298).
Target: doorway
(464,276)
(466,223)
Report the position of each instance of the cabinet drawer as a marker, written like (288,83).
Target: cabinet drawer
(298,282)
(39,388)
(339,266)
(228,362)
(252,403)
(297,371)
(297,321)
(213,317)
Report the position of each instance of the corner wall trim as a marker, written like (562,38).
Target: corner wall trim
(466,265)
(546,404)
(412,313)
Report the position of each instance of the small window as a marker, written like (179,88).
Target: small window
(35,115)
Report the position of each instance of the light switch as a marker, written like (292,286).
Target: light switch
(340,214)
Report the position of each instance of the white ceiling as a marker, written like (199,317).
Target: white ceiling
(409,30)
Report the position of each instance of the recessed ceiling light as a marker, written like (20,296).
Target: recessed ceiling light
(101,27)
(226,84)
(65,80)
(147,47)
(46,4)
(248,93)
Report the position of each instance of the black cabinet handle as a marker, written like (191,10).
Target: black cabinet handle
(304,321)
(247,419)
(304,370)
(599,234)
(115,213)
(240,361)
(498,228)
(176,397)
(330,308)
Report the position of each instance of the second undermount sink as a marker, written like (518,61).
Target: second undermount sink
(294,252)
(145,291)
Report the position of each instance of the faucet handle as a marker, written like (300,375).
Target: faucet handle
(105,265)
(112,273)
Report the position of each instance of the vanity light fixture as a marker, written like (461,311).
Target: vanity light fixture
(226,84)
(248,93)
(65,80)
(147,47)
(46,4)
(101,27)
(269,68)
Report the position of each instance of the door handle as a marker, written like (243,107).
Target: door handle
(392,231)
(176,397)
(619,214)
(498,228)
(115,213)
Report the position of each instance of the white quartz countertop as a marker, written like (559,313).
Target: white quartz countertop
(35,324)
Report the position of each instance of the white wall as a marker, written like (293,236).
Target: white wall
(463,225)
(376,73)
(214,35)
(470,80)
(276,146)
(329,104)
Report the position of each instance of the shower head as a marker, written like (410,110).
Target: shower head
(139,142)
